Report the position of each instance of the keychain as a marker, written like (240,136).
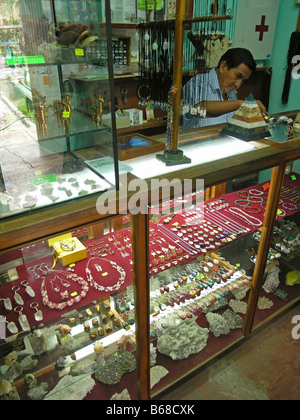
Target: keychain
(22,318)
(28,289)
(17,297)
(38,316)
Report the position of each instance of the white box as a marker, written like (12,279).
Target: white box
(135,115)
(121,122)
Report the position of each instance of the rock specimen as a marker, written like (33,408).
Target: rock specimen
(71,388)
(35,392)
(124,395)
(156,374)
(8,392)
(238,306)
(234,320)
(217,324)
(116,366)
(264,303)
(179,343)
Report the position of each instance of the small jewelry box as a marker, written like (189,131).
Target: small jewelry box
(69,251)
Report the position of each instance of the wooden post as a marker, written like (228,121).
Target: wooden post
(140,241)
(215,7)
(264,245)
(177,72)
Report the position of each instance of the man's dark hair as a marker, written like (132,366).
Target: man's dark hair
(236,56)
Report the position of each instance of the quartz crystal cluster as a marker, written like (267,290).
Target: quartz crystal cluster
(179,343)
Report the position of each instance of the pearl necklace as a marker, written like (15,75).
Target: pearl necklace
(98,267)
(70,302)
(240,214)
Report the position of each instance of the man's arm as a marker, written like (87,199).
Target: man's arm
(217,108)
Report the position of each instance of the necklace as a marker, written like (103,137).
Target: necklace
(240,214)
(68,303)
(97,266)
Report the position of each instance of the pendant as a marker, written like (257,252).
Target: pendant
(7,304)
(17,297)
(12,328)
(155,46)
(23,321)
(38,316)
(28,289)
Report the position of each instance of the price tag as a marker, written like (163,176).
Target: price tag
(74,294)
(293,178)
(266,186)
(105,274)
(66,114)
(79,52)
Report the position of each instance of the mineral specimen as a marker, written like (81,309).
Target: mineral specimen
(179,343)
(11,358)
(264,303)
(238,306)
(156,374)
(234,320)
(116,366)
(8,392)
(217,324)
(71,388)
(124,395)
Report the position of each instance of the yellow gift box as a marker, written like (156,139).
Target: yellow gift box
(69,251)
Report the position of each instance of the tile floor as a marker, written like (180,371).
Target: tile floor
(263,367)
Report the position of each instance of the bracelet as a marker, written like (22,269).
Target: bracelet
(66,245)
(252,210)
(289,206)
(237,202)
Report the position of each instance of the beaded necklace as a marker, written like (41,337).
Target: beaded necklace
(98,268)
(67,303)
(240,214)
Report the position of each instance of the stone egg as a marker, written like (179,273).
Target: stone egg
(5,387)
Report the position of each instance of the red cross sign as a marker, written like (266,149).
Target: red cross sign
(255,26)
(262,28)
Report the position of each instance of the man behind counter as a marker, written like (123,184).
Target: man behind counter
(217,90)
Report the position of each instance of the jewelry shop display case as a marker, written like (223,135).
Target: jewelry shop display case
(97,304)
(220,268)
(179,294)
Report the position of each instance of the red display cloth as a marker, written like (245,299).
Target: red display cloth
(109,249)
(193,228)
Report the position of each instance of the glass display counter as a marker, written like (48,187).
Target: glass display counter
(48,126)
(202,264)
(68,318)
